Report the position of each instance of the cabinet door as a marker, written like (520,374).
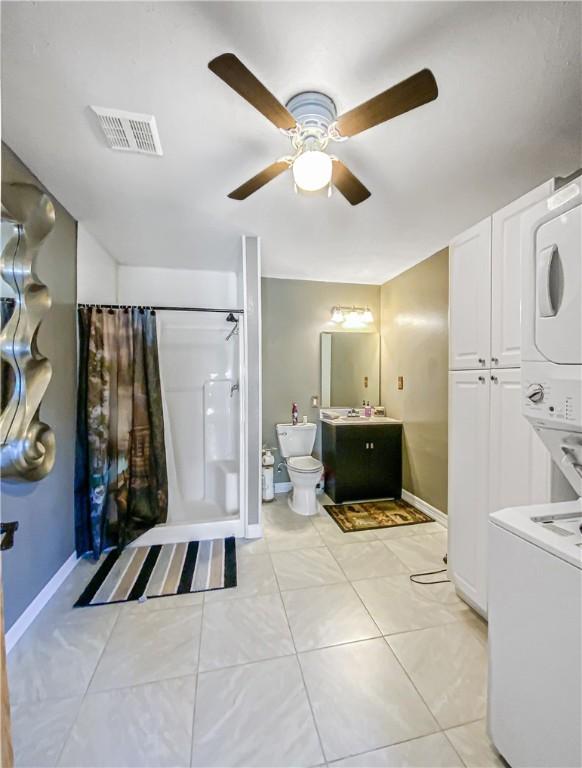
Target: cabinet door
(519,464)
(470,298)
(384,461)
(468,483)
(506,278)
(352,462)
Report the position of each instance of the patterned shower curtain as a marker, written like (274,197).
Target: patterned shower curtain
(121,483)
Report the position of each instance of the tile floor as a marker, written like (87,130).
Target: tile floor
(325,654)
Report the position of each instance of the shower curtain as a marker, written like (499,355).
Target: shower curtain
(121,484)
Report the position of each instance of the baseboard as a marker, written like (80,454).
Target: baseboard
(24,621)
(283,487)
(425,507)
(254,531)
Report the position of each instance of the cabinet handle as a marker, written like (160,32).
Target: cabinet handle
(481,361)
(495,360)
(482,379)
(495,379)
(367,446)
(372,446)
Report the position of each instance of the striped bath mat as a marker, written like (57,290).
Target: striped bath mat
(161,570)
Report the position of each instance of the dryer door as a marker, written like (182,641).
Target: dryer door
(558,277)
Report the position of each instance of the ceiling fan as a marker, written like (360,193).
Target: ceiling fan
(310,121)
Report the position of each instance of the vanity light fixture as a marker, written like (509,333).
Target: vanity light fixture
(368,317)
(352,317)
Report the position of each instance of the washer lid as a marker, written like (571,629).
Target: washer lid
(554,527)
(304,463)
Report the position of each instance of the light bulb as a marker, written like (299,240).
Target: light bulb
(312,170)
(353,320)
(368,317)
(337,315)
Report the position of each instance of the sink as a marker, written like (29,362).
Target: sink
(343,420)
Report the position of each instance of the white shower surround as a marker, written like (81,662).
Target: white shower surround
(226,465)
(202,425)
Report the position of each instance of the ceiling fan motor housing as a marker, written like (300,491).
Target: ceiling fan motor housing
(313,109)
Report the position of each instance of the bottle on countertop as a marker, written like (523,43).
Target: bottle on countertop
(294,414)
(367,410)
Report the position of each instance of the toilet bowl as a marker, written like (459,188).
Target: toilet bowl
(304,473)
(296,443)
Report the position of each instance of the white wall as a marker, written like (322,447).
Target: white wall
(177,287)
(96,271)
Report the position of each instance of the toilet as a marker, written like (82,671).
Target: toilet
(296,443)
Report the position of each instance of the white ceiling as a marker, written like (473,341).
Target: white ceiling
(508,116)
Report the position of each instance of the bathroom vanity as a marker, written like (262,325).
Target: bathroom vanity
(362,458)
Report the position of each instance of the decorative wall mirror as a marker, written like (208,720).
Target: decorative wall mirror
(350,369)
(27,448)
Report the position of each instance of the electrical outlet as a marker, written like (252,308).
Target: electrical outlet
(401,382)
(315,401)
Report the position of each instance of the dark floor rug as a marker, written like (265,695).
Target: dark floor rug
(367,515)
(165,569)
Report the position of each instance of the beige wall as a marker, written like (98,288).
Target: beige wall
(414,328)
(294,313)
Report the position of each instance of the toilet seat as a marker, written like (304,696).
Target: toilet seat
(304,464)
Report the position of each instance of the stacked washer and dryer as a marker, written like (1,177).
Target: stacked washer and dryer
(535,553)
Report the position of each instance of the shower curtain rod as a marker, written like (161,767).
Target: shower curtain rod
(162,309)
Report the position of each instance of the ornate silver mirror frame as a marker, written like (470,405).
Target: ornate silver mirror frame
(27,444)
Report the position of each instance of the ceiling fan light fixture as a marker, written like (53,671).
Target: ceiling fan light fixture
(312,170)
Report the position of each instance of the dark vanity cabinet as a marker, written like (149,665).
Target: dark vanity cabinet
(362,461)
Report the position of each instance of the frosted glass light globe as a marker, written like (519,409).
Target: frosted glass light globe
(312,170)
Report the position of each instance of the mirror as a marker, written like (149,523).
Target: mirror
(27,444)
(7,304)
(350,369)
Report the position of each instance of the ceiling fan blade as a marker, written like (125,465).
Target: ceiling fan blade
(263,177)
(409,94)
(351,187)
(234,73)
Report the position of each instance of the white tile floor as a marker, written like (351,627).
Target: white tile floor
(325,653)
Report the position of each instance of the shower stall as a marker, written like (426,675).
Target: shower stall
(202,378)
(209,362)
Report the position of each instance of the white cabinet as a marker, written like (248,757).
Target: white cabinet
(495,461)
(468,483)
(495,458)
(519,464)
(506,278)
(470,298)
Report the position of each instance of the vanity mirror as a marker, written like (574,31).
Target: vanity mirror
(350,369)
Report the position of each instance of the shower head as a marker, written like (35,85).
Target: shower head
(232,319)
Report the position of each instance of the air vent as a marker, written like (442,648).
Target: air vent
(129,131)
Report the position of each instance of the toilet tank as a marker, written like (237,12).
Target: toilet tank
(296,439)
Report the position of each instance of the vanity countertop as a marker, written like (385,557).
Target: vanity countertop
(343,421)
